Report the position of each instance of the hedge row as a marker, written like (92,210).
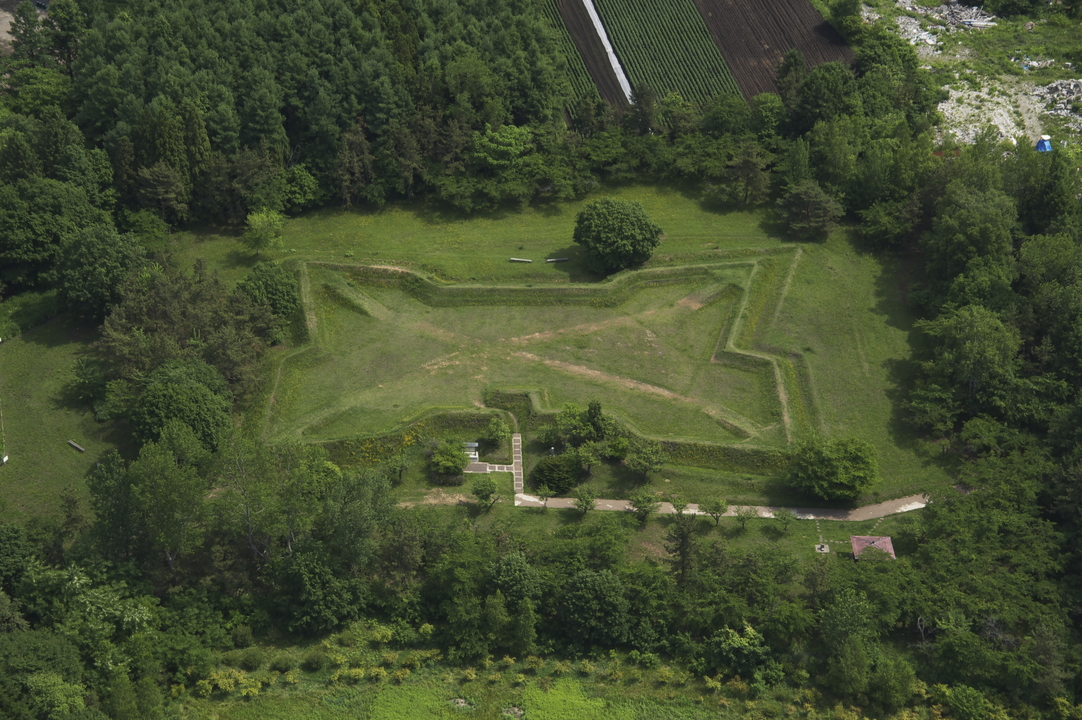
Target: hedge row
(354,452)
(730,458)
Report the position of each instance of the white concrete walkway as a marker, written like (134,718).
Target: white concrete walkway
(515,467)
(868,512)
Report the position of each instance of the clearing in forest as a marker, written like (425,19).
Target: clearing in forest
(835,322)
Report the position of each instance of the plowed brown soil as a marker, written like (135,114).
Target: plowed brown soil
(753,37)
(582,32)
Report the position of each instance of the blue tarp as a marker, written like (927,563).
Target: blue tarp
(1044,146)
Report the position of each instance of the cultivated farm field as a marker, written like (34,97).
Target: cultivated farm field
(666,46)
(582,84)
(753,37)
(590,50)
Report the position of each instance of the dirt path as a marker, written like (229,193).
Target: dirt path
(734,421)
(868,512)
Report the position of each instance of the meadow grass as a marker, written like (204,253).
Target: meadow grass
(820,321)
(832,318)
(834,325)
(381,358)
(465,248)
(845,315)
(40,416)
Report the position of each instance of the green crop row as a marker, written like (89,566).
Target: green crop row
(578,77)
(667,46)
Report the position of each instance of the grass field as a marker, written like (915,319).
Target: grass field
(648,360)
(845,313)
(821,323)
(39,418)
(825,323)
(460,248)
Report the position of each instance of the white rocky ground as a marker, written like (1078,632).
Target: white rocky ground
(1010,107)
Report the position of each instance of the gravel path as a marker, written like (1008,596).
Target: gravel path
(868,512)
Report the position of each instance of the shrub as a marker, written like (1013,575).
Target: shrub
(283,662)
(242,636)
(447,463)
(273,286)
(251,659)
(840,469)
(560,473)
(314,660)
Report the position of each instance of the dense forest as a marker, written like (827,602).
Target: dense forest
(121,122)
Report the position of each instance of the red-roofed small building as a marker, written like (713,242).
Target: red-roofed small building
(861,543)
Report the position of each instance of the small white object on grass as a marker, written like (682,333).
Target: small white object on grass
(4,461)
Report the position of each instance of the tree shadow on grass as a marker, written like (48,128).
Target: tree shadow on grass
(623,481)
(574,268)
(54,331)
(436,212)
(241,258)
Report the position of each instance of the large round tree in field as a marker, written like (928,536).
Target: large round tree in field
(616,234)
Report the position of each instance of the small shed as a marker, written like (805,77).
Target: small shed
(1044,144)
(472,451)
(861,543)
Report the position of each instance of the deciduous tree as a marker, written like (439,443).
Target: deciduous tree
(615,235)
(841,469)
(715,508)
(264,230)
(485,490)
(585,499)
(643,503)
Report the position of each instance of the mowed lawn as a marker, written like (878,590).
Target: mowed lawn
(40,418)
(845,312)
(648,360)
